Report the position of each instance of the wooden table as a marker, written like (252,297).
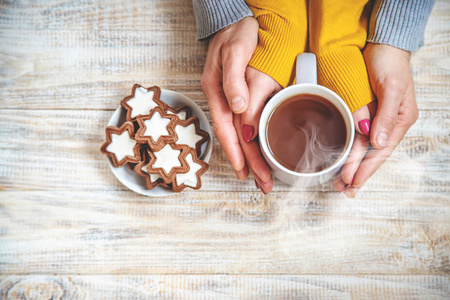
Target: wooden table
(69,229)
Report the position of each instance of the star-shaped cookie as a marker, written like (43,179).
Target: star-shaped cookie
(120,145)
(190,179)
(189,133)
(183,112)
(169,161)
(151,180)
(156,129)
(142,101)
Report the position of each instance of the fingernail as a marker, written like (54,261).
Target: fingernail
(364,126)
(382,139)
(237,103)
(247,133)
(260,180)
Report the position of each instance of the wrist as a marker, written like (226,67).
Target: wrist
(388,50)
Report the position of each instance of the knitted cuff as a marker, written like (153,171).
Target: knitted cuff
(279,44)
(344,71)
(211,15)
(399,23)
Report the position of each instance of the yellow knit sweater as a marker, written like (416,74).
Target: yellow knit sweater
(335,30)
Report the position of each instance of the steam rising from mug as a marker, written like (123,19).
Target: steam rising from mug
(306,133)
(317,154)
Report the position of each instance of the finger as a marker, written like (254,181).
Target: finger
(359,150)
(222,119)
(261,87)
(254,159)
(242,174)
(389,98)
(376,157)
(339,184)
(235,58)
(362,120)
(265,187)
(351,192)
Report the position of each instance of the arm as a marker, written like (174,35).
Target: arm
(212,16)
(399,23)
(396,28)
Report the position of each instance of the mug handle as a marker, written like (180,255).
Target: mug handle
(306,68)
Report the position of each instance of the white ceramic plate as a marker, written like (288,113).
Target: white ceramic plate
(137,183)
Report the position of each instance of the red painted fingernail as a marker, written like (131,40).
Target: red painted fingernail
(247,133)
(364,125)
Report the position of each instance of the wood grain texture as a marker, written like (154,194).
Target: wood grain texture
(70,230)
(138,15)
(224,287)
(48,149)
(58,232)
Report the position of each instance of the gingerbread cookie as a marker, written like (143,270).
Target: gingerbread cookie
(190,179)
(142,101)
(189,133)
(156,129)
(169,161)
(120,145)
(143,151)
(183,112)
(151,180)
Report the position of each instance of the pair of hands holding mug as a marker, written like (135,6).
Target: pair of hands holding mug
(236,94)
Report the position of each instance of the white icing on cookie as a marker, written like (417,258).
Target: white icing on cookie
(142,103)
(167,158)
(156,126)
(182,114)
(121,145)
(153,177)
(189,178)
(187,135)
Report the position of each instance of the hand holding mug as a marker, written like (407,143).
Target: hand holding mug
(391,81)
(236,94)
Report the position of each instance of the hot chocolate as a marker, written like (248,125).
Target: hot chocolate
(306,133)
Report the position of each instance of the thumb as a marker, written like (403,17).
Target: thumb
(389,99)
(261,87)
(234,64)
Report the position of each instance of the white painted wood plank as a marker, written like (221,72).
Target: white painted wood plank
(137,15)
(95,69)
(120,233)
(225,287)
(59,149)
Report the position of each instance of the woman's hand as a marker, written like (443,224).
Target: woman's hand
(261,87)
(236,94)
(225,87)
(392,83)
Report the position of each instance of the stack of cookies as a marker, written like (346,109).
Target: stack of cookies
(159,142)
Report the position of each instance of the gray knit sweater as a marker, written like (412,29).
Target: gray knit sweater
(399,23)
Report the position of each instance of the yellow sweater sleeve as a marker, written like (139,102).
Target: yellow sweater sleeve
(282,35)
(337,32)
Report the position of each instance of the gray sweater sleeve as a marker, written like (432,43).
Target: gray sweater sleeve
(399,23)
(213,15)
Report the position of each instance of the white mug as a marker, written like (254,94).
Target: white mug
(306,72)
